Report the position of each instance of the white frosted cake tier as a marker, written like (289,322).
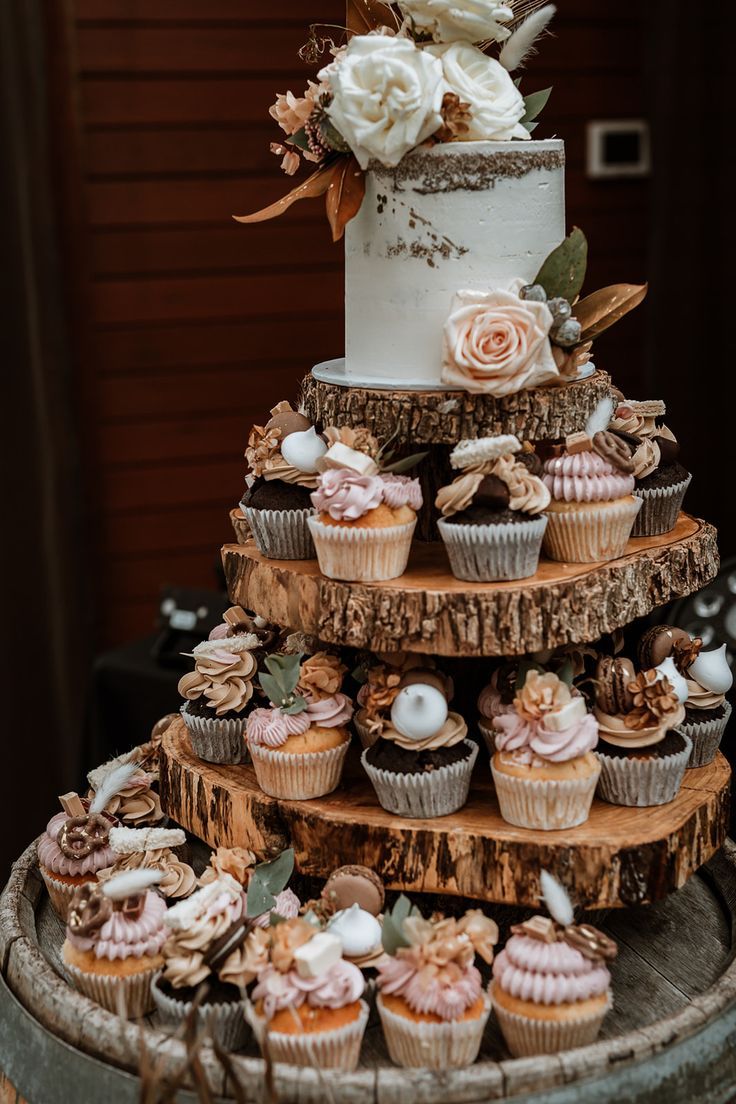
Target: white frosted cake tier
(455,216)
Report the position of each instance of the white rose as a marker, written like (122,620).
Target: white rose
(496,343)
(387,97)
(496,104)
(460,20)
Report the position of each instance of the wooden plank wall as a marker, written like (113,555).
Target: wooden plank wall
(191,325)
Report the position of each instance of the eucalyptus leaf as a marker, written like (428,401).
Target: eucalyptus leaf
(566,672)
(393,925)
(260,897)
(534,103)
(360,673)
(531,127)
(273,689)
(405,464)
(299,139)
(275,874)
(298,705)
(285,670)
(563,273)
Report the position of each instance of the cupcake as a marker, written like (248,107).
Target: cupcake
(593,506)
(385,674)
(76,844)
(299,743)
(432,1002)
(218,695)
(551,987)
(136,804)
(544,769)
(114,935)
(365,517)
(205,958)
(661,481)
(422,763)
(350,907)
(282,457)
(152,849)
(496,698)
(643,758)
(493,519)
(305,1007)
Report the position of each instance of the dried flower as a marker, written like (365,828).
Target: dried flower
(291,112)
(360,439)
(570,361)
(286,938)
(441,941)
(263,445)
(654,701)
(236,861)
(321,675)
(541,694)
(455,118)
(685,652)
(379,693)
(290,162)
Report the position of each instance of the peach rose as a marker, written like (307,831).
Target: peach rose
(541,694)
(291,112)
(496,343)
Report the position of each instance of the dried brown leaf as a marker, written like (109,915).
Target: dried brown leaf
(344,195)
(603,308)
(367,15)
(315,185)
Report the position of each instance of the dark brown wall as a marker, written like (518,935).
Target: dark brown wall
(188,326)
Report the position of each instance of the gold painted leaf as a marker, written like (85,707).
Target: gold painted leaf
(344,195)
(315,185)
(603,308)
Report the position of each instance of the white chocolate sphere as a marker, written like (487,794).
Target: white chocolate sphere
(358,930)
(303,450)
(667,669)
(419,711)
(712,671)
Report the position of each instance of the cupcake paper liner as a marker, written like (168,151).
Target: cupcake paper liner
(642,782)
(706,737)
(338,1049)
(362,555)
(544,804)
(591,535)
(224,1022)
(60,892)
(526,1036)
(427,794)
(435,1046)
(660,509)
(366,737)
(241,528)
(298,777)
(281,534)
(132,993)
(217,740)
(488,733)
(488,553)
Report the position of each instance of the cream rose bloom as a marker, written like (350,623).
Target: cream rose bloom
(387,97)
(460,20)
(496,104)
(496,343)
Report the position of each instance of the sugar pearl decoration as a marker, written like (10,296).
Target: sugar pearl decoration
(303,450)
(668,670)
(712,671)
(419,711)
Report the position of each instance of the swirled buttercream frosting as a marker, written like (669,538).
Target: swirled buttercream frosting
(53,859)
(585,477)
(342,984)
(548,973)
(273,727)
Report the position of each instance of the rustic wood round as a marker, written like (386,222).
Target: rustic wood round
(618,857)
(670,1035)
(445,417)
(429,610)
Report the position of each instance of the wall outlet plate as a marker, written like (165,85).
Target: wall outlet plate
(618,148)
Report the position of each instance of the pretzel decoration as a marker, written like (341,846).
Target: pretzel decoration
(81,835)
(592,943)
(89,910)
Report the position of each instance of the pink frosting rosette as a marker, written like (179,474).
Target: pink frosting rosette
(548,973)
(345,495)
(585,477)
(123,936)
(273,727)
(53,859)
(529,740)
(287,907)
(342,984)
(447,995)
(401,490)
(330,712)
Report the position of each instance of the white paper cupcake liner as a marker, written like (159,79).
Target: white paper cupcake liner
(427,794)
(130,995)
(451,1045)
(281,534)
(488,733)
(60,892)
(298,777)
(526,1036)
(489,553)
(224,1022)
(241,528)
(642,782)
(592,534)
(366,737)
(362,555)
(217,740)
(660,509)
(338,1049)
(544,804)
(705,737)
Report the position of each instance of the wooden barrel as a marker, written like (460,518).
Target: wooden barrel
(670,1036)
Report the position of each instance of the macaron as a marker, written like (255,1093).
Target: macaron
(657,643)
(355,885)
(613,675)
(289,421)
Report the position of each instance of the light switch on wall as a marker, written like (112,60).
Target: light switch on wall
(618,148)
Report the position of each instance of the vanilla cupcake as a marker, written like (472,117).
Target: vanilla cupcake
(218,696)
(493,519)
(365,518)
(551,987)
(152,849)
(593,506)
(661,481)
(114,935)
(298,745)
(306,1005)
(432,1002)
(544,769)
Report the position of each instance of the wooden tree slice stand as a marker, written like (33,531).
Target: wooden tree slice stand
(428,610)
(620,856)
(672,1023)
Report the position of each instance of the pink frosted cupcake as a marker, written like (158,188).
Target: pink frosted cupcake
(551,986)
(114,937)
(432,1003)
(593,506)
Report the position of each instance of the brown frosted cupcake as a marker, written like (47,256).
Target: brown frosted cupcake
(152,849)
(218,696)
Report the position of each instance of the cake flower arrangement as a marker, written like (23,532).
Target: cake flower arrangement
(432,1002)
(411,73)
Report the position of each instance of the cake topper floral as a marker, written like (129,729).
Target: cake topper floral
(400,75)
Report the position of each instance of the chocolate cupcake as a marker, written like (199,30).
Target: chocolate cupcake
(661,482)
(707,712)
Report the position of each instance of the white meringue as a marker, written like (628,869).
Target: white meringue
(358,930)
